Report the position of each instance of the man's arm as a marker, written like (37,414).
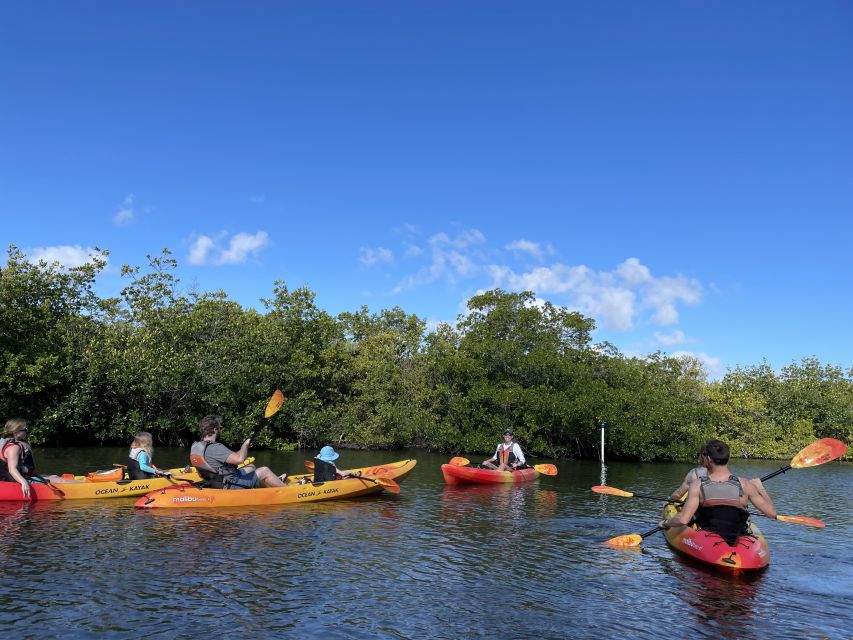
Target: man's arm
(676,495)
(519,455)
(689,510)
(758,495)
(239,456)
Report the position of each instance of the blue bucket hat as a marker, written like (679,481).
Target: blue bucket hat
(327,454)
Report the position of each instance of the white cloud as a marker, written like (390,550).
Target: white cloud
(207,250)
(535,249)
(369,256)
(125,214)
(671,339)
(612,297)
(450,259)
(66,255)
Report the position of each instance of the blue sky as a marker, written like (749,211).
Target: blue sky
(680,171)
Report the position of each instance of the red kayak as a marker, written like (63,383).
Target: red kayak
(748,553)
(454,474)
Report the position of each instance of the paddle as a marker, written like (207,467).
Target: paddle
(274,404)
(544,469)
(613,491)
(817,453)
(50,485)
(388,483)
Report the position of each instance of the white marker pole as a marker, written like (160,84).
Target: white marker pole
(602,442)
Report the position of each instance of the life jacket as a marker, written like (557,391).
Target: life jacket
(721,510)
(505,454)
(215,475)
(26,463)
(324,471)
(134,471)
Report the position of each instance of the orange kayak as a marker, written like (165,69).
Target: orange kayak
(192,497)
(454,474)
(748,553)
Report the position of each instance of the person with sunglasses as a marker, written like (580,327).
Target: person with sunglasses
(16,457)
(508,455)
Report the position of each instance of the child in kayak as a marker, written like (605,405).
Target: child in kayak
(720,500)
(508,454)
(141,454)
(325,468)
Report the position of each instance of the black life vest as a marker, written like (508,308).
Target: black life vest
(505,455)
(26,463)
(215,475)
(134,471)
(324,471)
(730,519)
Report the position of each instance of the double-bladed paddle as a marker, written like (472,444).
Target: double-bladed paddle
(613,491)
(545,469)
(387,483)
(817,453)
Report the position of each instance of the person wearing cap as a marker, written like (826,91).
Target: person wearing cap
(325,468)
(720,500)
(508,455)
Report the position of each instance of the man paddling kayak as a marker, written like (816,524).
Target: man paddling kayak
(508,454)
(719,501)
(217,464)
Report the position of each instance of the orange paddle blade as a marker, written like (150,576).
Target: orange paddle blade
(613,491)
(824,450)
(630,540)
(309,465)
(387,483)
(274,404)
(546,469)
(809,522)
(459,461)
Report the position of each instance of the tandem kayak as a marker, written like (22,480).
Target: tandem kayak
(83,488)
(454,474)
(191,497)
(749,553)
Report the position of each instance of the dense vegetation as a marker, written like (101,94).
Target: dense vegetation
(87,370)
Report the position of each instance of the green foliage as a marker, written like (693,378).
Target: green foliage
(89,370)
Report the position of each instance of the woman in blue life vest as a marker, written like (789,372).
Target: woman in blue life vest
(325,469)
(16,457)
(720,500)
(508,455)
(140,465)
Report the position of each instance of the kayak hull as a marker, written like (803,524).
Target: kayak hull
(191,497)
(454,474)
(82,489)
(749,553)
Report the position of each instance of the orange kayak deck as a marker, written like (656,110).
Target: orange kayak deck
(454,474)
(192,497)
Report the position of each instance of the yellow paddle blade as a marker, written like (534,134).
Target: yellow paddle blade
(824,450)
(459,461)
(809,522)
(387,483)
(309,465)
(613,491)
(630,540)
(274,404)
(546,469)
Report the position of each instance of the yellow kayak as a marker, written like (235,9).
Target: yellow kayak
(372,480)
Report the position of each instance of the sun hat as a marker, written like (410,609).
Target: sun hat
(327,454)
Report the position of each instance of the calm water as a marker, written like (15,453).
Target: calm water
(430,562)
